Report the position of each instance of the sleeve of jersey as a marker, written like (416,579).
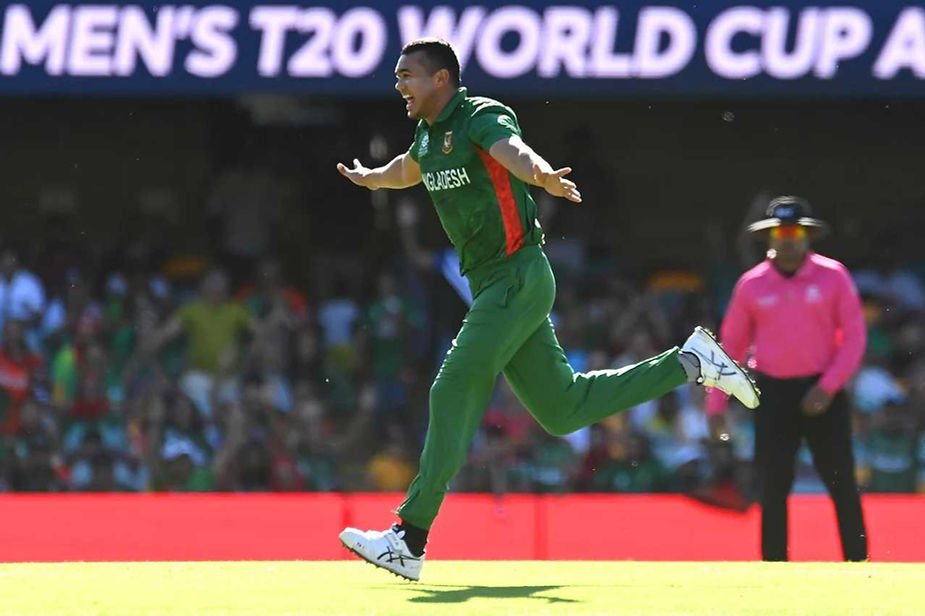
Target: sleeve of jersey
(852,333)
(491,126)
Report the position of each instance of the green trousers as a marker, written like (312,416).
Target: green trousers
(508,331)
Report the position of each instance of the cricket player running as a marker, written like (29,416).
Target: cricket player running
(469,153)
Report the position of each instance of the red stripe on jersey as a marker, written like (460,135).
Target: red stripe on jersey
(513,228)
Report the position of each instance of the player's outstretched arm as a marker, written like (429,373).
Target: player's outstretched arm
(521,160)
(402,172)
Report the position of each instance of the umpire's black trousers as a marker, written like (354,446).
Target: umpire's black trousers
(780,426)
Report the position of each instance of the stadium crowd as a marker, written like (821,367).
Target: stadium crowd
(144,372)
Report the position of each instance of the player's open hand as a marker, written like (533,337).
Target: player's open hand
(556,184)
(359,174)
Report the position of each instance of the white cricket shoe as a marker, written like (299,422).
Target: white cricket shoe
(719,370)
(386,549)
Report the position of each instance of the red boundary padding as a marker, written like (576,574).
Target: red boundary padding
(305,526)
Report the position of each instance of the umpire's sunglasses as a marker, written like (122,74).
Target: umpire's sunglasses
(788,232)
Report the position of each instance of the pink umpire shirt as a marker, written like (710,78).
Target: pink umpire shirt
(810,323)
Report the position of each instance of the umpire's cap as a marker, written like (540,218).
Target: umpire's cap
(790,210)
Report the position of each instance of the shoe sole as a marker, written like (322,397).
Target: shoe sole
(377,565)
(743,371)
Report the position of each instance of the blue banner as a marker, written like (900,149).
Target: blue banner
(616,50)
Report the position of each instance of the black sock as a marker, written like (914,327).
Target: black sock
(415,538)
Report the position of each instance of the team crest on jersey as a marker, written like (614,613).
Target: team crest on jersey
(448,142)
(425,142)
(813,295)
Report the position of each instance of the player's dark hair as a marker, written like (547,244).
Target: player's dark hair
(437,54)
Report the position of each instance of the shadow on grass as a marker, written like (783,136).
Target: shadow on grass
(445,593)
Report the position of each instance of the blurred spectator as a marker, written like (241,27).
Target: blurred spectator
(176,454)
(553,464)
(22,295)
(595,458)
(307,354)
(874,386)
(678,434)
(66,310)
(17,366)
(316,447)
(631,467)
(79,374)
(184,425)
(178,471)
(891,449)
(253,466)
(492,464)
(276,310)
(885,278)
(499,459)
(283,446)
(270,293)
(38,466)
(214,326)
(338,316)
(385,337)
(390,470)
(91,468)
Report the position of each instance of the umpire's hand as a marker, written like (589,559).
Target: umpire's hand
(719,428)
(816,401)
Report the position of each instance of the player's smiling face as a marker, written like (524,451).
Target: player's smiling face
(416,84)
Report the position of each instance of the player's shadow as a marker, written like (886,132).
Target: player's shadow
(450,593)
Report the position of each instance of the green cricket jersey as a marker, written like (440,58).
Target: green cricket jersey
(486,211)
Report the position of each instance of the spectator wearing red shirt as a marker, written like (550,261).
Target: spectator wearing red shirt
(797,316)
(17,365)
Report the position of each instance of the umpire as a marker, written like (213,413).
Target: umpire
(798,319)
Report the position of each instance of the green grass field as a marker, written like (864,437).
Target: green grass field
(470,588)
